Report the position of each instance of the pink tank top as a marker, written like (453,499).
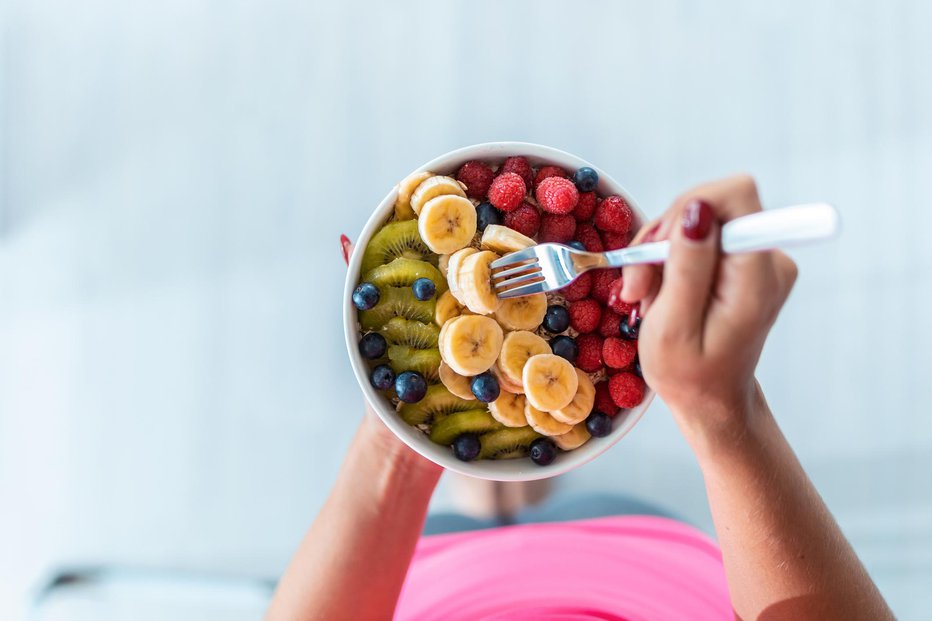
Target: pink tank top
(629,568)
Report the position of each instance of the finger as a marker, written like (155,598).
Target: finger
(786,272)
(688,274)
(640,279)
(745,277)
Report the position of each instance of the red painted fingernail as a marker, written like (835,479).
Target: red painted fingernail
(697,219)
(634,316)
(346,247)
(650,234)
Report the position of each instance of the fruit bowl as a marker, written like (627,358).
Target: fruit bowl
(494,469)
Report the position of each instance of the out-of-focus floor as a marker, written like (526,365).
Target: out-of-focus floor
(174,177)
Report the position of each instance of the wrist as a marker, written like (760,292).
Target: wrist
(716,424)
(377,440)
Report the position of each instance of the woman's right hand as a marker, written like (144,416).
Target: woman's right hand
(705,315)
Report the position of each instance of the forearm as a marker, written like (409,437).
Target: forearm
(785,557)
(353,561)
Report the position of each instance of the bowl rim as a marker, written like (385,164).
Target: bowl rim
(504,470)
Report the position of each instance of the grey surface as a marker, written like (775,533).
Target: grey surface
(174,177)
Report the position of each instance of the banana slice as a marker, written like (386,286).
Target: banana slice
(440,336)
(470,344)
(544,423)
(447,223)
(453,267)
(581,405)
(515,388)
(550,382)
(503,240)
(474,281)
(443,261)
(447,308)
(432,188)
(508,409)
(517,349)
(455,383)
(406,187)
(524,313)
(574,438)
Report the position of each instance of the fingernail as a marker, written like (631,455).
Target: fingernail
(649,237)
(697,219)
(634,316)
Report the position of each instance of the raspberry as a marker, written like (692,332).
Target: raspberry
(585,207)
(613,214)
(603,399)
(627,389)
(618,353)
(579,289)
(614,241)
(520,166)
(477,177)
(525,219)
(614,298)
(548,171)
(554,228)
(588,237)
(507,191)
(589,358)
(557,195)
(585,315)
(610,322)
(602,282)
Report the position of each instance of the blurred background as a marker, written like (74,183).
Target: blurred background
(174,177)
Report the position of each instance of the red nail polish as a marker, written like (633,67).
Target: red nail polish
(649,237)
(697,219)
(346,247)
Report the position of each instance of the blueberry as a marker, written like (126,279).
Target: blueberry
(424,289)
(565,347)
(543,451)
(486,215)
(557,319)
(410,386)
(586,179)
(636,367)
(628,331)
(598,424)
(372,346)
(485,387)
(382,377)
(365,296)
(578,245)
(466,447)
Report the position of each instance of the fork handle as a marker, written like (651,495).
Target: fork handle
(765,230)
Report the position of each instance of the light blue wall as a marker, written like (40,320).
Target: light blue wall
(174,177)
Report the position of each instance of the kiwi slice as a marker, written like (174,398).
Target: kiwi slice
(448,428)
(507,443)
(437,403)
(403,272)
(396,239)
(424,361)
(397,302)
(416,334)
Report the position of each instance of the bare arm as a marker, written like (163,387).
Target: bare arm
(706,319)
(353,560)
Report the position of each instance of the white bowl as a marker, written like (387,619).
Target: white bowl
(505,470)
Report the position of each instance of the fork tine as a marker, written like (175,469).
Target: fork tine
(517,271)
(515,257)
(536,287)
(520,280)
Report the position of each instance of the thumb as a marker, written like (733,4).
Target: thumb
(688,274)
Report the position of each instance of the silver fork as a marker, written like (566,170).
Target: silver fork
(547,267)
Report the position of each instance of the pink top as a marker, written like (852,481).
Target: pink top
(616,568)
